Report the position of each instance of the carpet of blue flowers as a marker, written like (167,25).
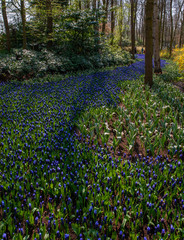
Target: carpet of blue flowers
(68,168)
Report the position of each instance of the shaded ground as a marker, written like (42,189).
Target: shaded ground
(180,85)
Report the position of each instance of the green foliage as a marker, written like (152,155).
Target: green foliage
(158,124)
(170,72)
(77,31)
(24,64)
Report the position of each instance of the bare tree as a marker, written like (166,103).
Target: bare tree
(148,80)
(5,19)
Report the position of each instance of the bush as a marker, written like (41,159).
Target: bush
(165,54)
(24,64)
(178,58)
(170,72)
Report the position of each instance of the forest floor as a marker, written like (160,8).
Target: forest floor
(96,156)
(180,85)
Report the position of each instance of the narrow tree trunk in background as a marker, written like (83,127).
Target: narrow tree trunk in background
(87,4)
(23,16)
(181,31)
(156,37)
(148,80)
(112,22)
(163,25)
(132,29)
(105,8)
(176,22)
(161,19)
(49,23)
(120,23)
(5,19)
(80,5)
(96,27)
(94,4)
(171,34)
(133,19)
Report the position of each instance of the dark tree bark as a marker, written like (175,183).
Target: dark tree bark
(181,31)
(148,80)
(120,23)
(49,23)
(133,19)
(171,34)
(94,4)
(96,27)
(156,38)
(162,24)
(80,5)
(105,7)
(112,22)
(177,20)
(23,16)
(5,19)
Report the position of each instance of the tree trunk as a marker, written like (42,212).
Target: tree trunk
(171,34)
(163,25)
(94,4)
(181,31)
(23,16)
(96,27)
(156,37)
(112,22)
(148,80)
(5,19)
(176,22)
(80,5)
(133,19)
(120,23)
(87,4)
(49,23)
(105,7)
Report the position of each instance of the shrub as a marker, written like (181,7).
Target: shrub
(165,54)
(170,72)
(178,58)
(24,64)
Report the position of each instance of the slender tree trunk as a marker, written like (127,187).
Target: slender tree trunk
(94,5)
(120,23)
(23,16)
(96,27)
(176,22)
(112,22)
(163,25)
(80,5)
(156,37)
(171,34)
(133,19)
(5,19)
(105,7)
(181,31)
(148,80)
(49,23)
(87,4)
(132,29)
